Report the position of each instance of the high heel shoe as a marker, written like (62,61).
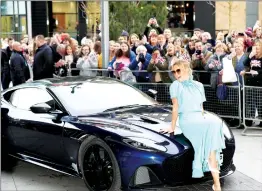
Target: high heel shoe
(213,188)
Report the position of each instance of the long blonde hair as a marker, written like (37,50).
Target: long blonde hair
(259,42)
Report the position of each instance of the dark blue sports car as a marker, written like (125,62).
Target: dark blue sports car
(101,130)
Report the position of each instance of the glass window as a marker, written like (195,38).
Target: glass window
(7,23)
(64,7)
(7,8)
(27,97)
(65,15)
(23,27)
(22,7)
(86,96)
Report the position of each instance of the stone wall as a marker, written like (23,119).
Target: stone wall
(237,15)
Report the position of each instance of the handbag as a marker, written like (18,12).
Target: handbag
(229,75)
(221,89)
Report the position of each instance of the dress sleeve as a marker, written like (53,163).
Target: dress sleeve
(174,90)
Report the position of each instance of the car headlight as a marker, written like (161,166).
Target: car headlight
(226,130)
(144,144)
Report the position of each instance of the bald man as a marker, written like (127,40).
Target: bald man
(18,66)
(43,66)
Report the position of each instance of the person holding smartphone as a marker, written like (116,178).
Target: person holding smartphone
(158,63)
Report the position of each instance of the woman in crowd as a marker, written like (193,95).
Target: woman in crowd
(178,41)
(123,55)
(215,63)
(205,134)
(112,51)
(238,58)
(181,53)
(253,65)
(158,63)
(151,44)
(134,38)
(170,55)
(191,47)
(141,63)
(70,61)
(161,43)
(87,61)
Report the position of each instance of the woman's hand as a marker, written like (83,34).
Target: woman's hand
(221,72)
(167,130)
(242,73)
(211,66)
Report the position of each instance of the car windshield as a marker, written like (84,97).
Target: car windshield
(97,96)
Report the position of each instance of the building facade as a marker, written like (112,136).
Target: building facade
(46,17)
(81,18)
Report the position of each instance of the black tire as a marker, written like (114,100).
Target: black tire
(89,144)
(8,163)
(222,181)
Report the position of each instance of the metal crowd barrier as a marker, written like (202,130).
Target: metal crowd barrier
(252,108)
(229,108)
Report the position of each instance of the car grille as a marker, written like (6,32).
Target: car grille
(179,168)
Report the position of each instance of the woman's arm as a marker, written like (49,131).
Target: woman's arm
(174,114)
(80,62)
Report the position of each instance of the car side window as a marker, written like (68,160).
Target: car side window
(27,97)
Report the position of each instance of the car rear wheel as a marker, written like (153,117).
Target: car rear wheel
(99,166)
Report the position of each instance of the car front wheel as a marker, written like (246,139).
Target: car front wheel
(98,165)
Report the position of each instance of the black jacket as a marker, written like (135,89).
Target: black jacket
(254,64)
(5,69)
(43,66)
(19,68)
(9,52)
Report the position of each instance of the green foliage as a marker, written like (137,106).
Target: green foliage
(133,16)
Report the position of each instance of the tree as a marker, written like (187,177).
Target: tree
(133,16)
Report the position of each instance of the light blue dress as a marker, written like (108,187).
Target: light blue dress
(205,134)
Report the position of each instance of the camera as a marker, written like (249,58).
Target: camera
(141,57)
(198,52)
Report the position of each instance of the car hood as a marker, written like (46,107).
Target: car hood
(145,121)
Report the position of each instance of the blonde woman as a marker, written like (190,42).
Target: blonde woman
(205,134)
(87,61)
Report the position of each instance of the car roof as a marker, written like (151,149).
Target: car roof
(64,81)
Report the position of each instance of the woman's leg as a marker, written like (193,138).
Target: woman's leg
(214,170)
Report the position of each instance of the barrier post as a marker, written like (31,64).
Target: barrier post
(247,100)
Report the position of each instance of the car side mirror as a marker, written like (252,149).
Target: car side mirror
(41,108)
(152,93)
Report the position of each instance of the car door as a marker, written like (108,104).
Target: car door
(35,134)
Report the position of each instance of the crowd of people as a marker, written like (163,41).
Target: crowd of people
(145,57)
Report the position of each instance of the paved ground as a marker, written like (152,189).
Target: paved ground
(248,160)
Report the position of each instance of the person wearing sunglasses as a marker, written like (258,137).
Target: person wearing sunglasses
(204,133)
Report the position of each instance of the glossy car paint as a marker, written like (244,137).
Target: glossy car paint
(40,137)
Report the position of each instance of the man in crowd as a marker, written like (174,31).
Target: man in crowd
(43,60)
(18,66)
(5,69)
(199,60)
